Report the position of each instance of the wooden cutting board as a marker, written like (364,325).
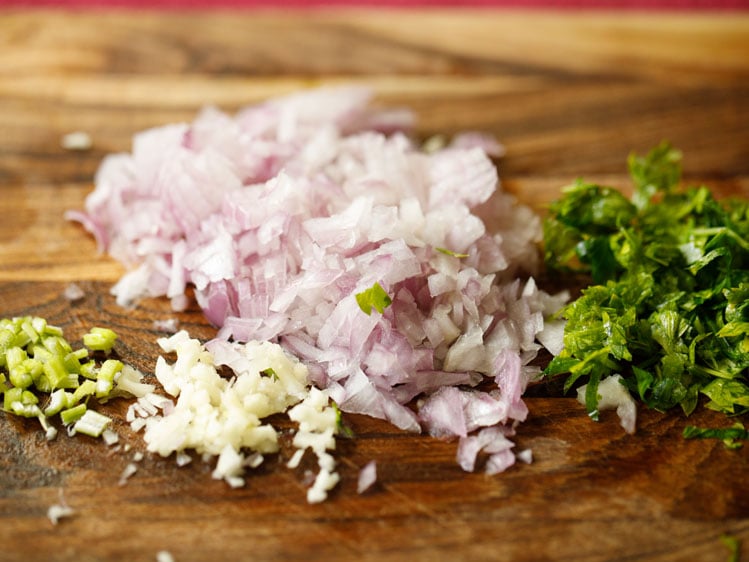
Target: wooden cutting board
(569,94)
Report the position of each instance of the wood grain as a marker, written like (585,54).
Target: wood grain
(568,95)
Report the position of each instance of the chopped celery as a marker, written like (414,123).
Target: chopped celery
(89,370)
(73,360)
(92,423)
(73,414)
(105,378)
(99,339)
(6,342)
(14,357)
(58,400)
(29,330)
(25,410)
(87,388)
(39,325)
(109,369)
(11,395)
(37,361)
(55,371)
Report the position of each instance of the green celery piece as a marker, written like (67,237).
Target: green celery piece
(28,328)
(56,372)
(100,339)
(26,410)
(92,423)
(105,377)
(90,370)
(72,360)
(71,415)
(109,370)
(11,395)
(21,402)
(7,336)
(87,388)
(58,401)
(57,345)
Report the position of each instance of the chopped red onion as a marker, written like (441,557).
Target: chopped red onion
(279,216)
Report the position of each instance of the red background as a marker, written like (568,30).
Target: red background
(248,4)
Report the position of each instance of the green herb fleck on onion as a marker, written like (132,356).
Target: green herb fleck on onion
(375,297)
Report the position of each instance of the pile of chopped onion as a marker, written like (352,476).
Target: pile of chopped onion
(281,215)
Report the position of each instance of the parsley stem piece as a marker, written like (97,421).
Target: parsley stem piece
(731,436)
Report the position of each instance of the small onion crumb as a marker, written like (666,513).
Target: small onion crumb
(167,325)
(76,140)
(164,556)
(57,511)
(526,456)
(73,292)
(367,477)
(613,394)
(110,437)
(127,472)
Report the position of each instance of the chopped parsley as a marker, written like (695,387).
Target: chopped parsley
(669,307)
(270,372)
(451,253)
(732,437)
(733,545)
(375,297)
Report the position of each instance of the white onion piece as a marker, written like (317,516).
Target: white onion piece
(367,477)
(613,394)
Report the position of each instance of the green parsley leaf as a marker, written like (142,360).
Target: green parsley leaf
(731,436)
(374,297)
(269,372)
(342,428)
(734,547)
